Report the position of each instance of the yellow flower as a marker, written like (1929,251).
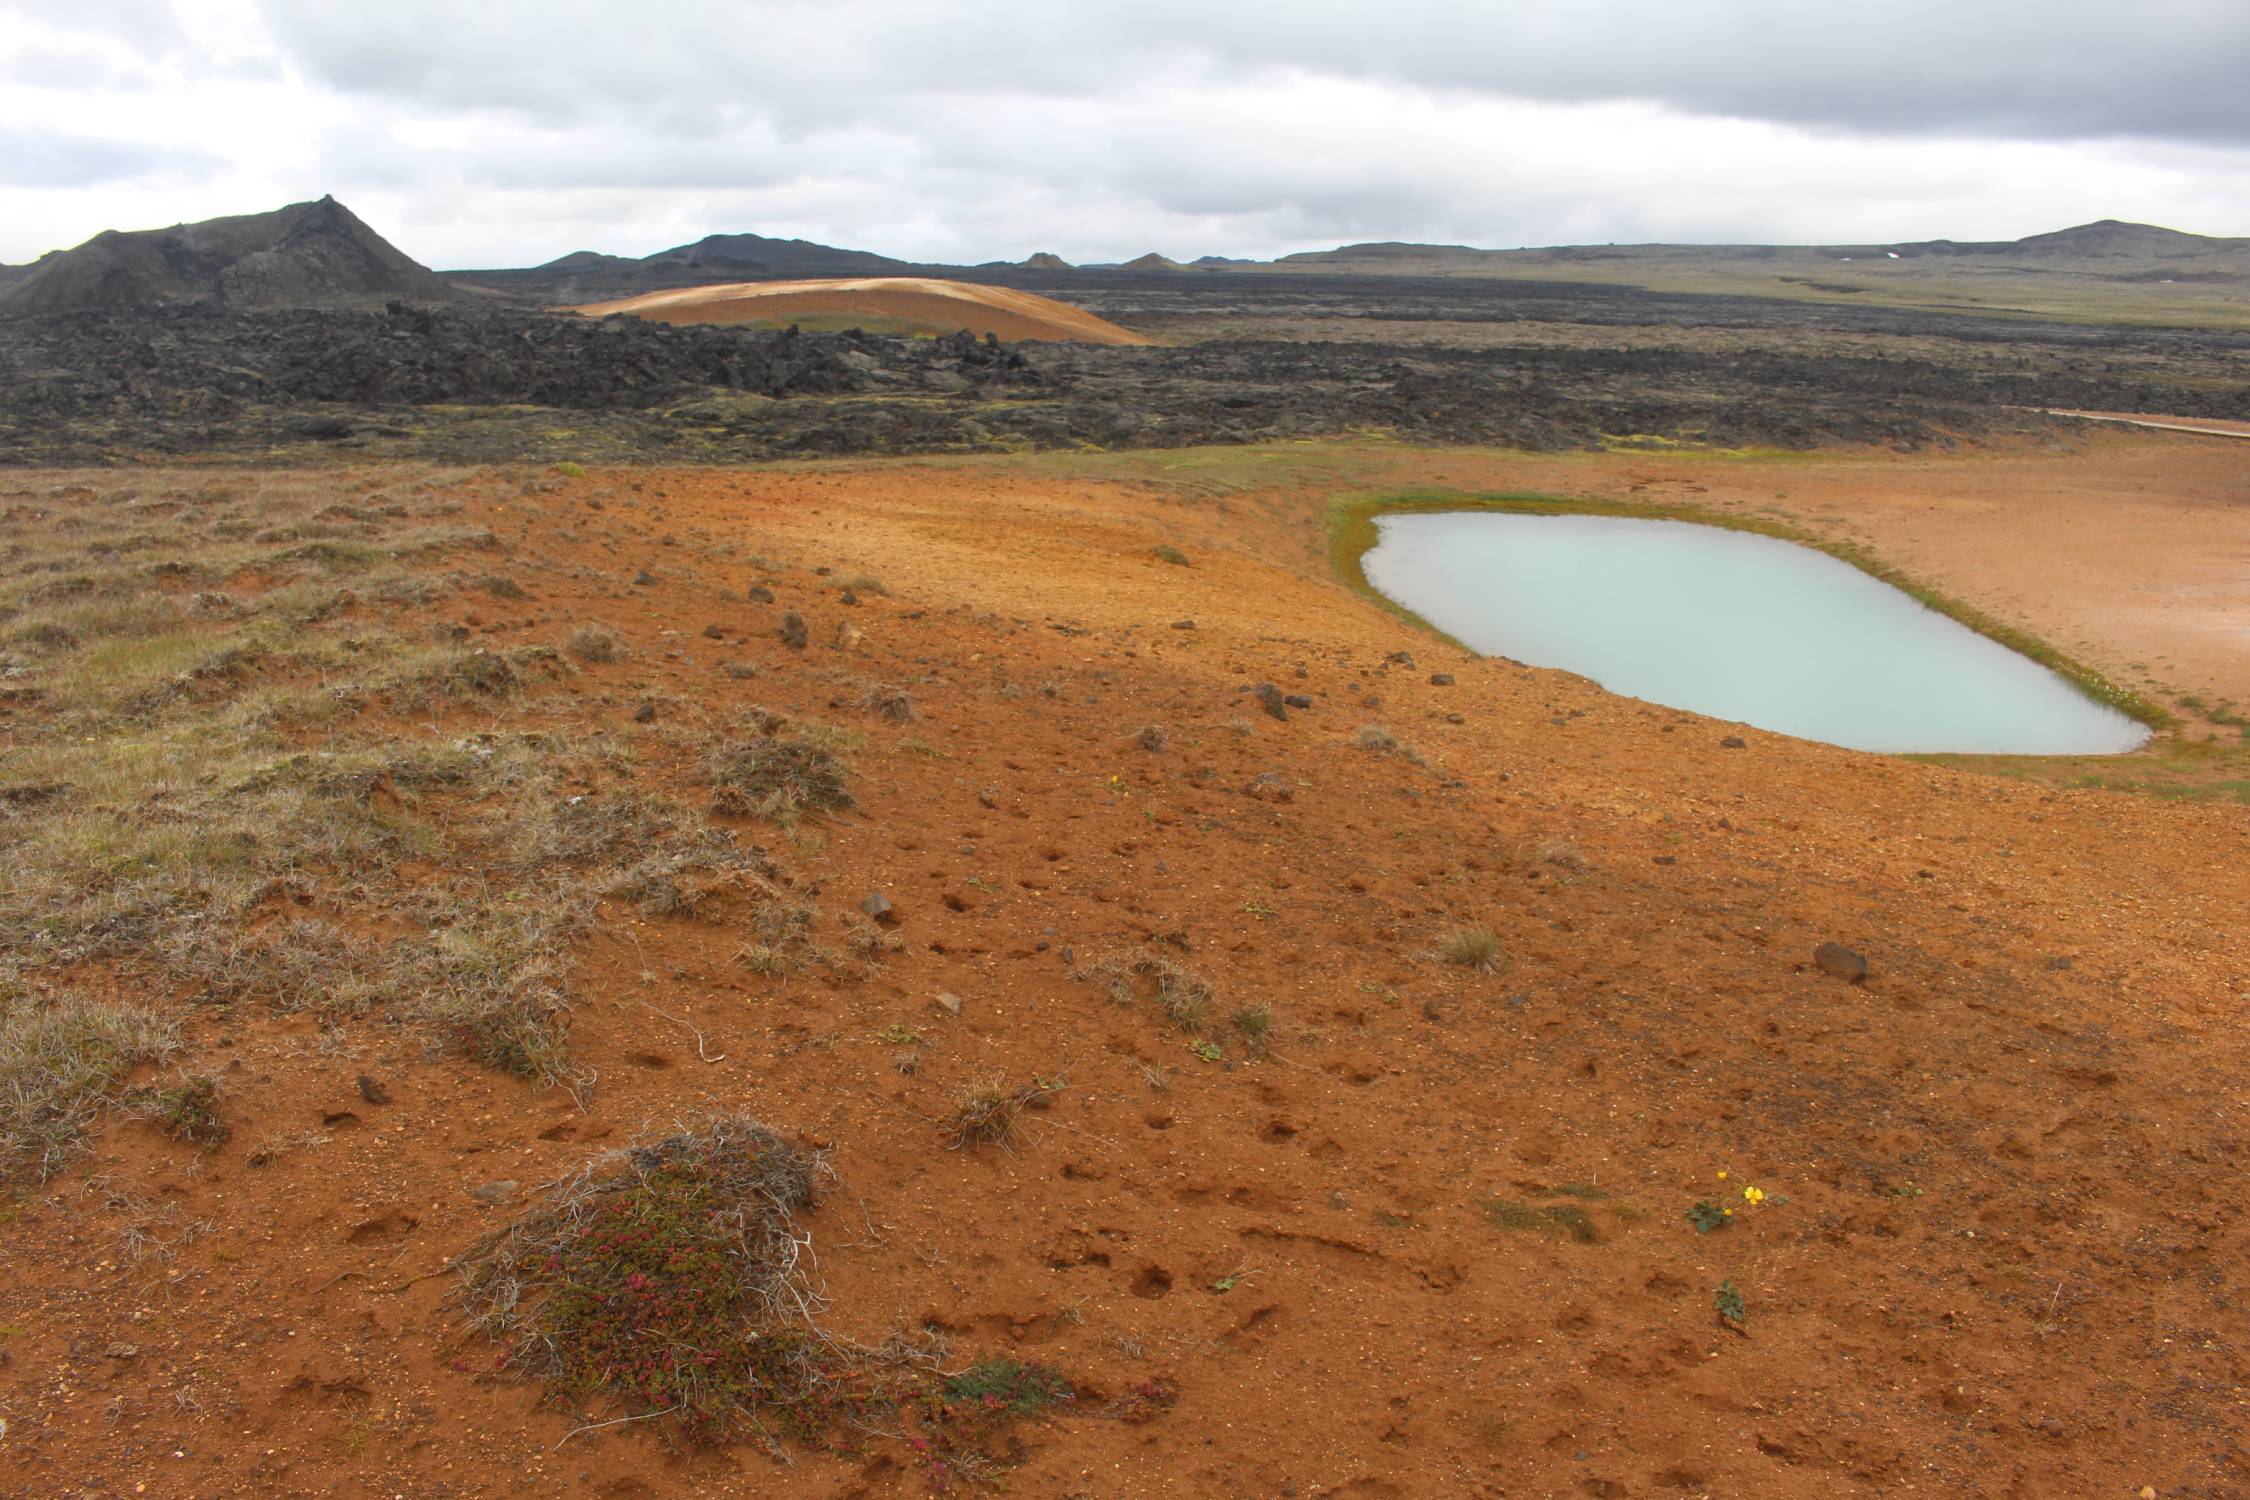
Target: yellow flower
(1754,1195)
(1722,1177)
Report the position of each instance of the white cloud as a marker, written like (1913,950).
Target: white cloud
(507,132)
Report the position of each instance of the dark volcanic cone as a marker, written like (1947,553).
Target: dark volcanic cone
(306,255)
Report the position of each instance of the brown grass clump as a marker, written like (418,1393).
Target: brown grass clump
(778,776)
(59,1063)
(595,644)
(891,704)
(989,1114)
(1473,947)
(492,985)
(1563,855)
(1183,995)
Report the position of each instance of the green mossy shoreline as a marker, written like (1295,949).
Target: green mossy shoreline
(1352,532)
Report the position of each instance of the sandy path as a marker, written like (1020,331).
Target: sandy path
(2201,426)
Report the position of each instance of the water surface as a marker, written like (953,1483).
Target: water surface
(1734,625)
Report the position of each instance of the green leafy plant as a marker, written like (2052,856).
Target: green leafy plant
(1255,1025)
(1732,1310)
(189,1111)
(1708,1217)
(1009,1385)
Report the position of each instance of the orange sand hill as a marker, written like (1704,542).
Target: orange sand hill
(1431,1240)
(922,303)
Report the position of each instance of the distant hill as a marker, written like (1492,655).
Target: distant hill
(306,255)
(1151,262)
(1045,261)
(587,260)
(2107,239)
(758,255)
(2108,271)
(590,276)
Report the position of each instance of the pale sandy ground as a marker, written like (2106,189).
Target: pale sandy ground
(1011,314)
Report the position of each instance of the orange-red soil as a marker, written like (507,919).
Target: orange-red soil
(926,303)
(2003,1250)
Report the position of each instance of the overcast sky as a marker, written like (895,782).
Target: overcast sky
(502,132)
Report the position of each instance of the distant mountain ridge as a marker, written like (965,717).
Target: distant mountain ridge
(778,258)
(591,276)
(2104,239)
(320,254)
(306,254)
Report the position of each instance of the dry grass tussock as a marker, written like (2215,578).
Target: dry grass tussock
(671,1282)
(781,769)
(991,1114)
(1145,973)
(228,698)
(671,1278)
(61,1060)
(1473,947)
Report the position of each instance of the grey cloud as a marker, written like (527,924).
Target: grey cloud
(2163,69)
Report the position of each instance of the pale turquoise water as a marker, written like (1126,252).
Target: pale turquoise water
(1736,626)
